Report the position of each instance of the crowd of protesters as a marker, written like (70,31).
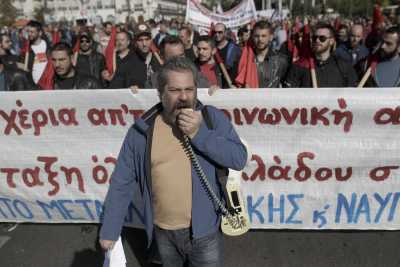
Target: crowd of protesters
(295,52)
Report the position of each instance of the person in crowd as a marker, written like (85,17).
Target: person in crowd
(5,44)
(229,51)
(66,76)
(331,71)
(105,36)
(280,36)
(354,50)
(386,71)
(129,70)
(162,33)
(88,60)
(244,34)
(5,51)
(12,79)
(260,66)
(171,47)
(185,34)
(179,214)
(147,57)
(207,64)
(342,35)
(35,57)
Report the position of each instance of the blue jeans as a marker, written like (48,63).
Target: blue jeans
(177,247)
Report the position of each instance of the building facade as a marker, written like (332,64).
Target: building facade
(96,11)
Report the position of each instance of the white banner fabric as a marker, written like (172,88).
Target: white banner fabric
(321,159)
(202,17)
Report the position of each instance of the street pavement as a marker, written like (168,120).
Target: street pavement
(59,245)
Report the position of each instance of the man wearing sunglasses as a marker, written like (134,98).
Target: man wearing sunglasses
(89,61)
(229,51)
(331,71)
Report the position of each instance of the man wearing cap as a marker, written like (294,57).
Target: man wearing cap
(143,44)
(88,60)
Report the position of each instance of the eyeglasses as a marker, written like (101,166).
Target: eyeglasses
(85,41)
(321,38)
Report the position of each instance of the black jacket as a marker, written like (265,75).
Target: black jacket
(18,80)
(333,72)
(276,67)
(130,71)
(97,64)
(81,81)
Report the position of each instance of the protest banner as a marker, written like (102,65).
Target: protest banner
(202,17)
(320,159)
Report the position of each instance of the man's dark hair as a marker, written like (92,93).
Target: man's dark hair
(263,25)
(62,46)
(176,64)
(207,39)
(343,26)
(242,30)
(170,40)
(2,35)
(107,23)
(326,26)
(187,29)
(394,30)
(151,22)
(35,24)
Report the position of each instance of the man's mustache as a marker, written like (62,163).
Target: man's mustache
(183,105)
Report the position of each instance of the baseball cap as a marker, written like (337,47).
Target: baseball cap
(142,29)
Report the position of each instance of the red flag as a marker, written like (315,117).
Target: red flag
(338,23)
(154,48)
(212,30)
(56,37)
(378,17)
(25,47)
(77,46)
(218,58)
(110,50)
(305,51)
(373,62)
(247,73)
(291,41)
(297,25)
(46,81)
